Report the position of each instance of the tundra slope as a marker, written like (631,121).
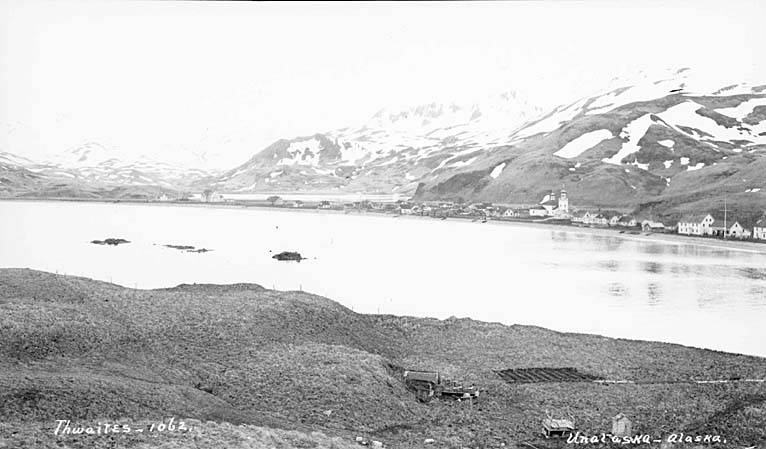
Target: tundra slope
(89,350)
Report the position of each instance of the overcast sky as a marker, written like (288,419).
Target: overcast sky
(174,79)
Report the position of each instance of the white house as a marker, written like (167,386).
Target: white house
(759,228)
(406,209)
(209,196)
(597,219)
(627,221)
(653,226)
(538,211)
(695,224)
(738,231)
(579,216)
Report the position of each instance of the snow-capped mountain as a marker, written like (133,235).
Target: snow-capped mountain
(91,168)
(663,139)
(96,164)
(390,151)
(670,140)
(673,140)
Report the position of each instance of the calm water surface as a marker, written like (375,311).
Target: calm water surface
(559,278)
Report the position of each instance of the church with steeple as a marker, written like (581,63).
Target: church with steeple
(553,205)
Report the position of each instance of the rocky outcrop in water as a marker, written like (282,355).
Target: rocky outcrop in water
(188,248)
(109,241)
(288,255)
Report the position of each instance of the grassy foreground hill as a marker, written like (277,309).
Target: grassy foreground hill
(253,367)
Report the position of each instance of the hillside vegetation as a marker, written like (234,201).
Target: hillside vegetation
(263,368)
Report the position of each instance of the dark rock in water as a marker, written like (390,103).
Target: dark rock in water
(188,248)
(109,241)
(288,255)
(180,247)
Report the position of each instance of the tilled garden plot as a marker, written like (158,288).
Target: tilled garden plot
(541,375)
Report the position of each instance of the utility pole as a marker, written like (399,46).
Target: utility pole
(725,217)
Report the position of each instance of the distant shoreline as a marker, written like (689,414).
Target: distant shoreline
(672,238)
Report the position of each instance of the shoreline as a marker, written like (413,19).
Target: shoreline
(670,238)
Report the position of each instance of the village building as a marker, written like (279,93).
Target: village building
(599,220)
(652,226)
(627,221)
(759,228)
(509,213)
(538,211)
(210,196)
(738,231)
(406,209)
(719,226)
(551,206)
(698,224)
(579,216)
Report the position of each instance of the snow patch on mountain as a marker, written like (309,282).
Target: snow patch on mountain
(667,143)
(302,152)
(583,143)
(497,170)
(742,110)
(685,114)
(460,164)
(552,121)
(695,167)
(633,132)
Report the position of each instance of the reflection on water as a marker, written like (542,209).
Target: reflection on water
(653,293)
(617,289)
(607,242)
(753,273)
(562,278)
(609,265)
(652,267)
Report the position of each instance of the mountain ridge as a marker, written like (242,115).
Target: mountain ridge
(652,141)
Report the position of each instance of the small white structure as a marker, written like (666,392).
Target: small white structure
(406,209)
(538,211)
(652,226)
(622,426)
(627,221)
(595,218)
(759,228)
(210,196)
(579,216)
(738,231)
